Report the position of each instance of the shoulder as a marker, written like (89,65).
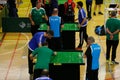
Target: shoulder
(34,8)
(42,9)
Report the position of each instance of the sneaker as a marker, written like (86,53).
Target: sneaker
(107,61)
(114,62)
(94,14)
(100,13)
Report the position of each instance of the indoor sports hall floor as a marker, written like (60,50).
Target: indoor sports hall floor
(13,51)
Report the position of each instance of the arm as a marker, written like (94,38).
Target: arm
(62,23)
(84,20)
(46,18)
(88,52)
(117,31)
(108,31)
(48,25)
(30,17)
(79,25)
(31,56)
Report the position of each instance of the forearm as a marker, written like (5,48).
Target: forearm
(108,31)
(46,18)
(117,31)
(30,17)
(84,20)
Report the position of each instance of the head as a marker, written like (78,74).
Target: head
(45,43)
(79,4)
(49,34)
(55,11)
(90,40)
(38,4)
(45,72)
(113,13)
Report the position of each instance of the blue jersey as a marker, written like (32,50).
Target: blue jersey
(93,54)
(55,22)
(81,16)
(38,38)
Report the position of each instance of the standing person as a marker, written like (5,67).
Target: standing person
(82,25)
(98,4)
(92,54)
(33,2)
(12,8)
(44,75)
(44,55)
(112,37)
(37,16)
(69,11)
(55,24)
(114,4)
(89,7)
(35,42)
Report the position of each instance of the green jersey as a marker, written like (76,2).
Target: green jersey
(38,15)
(43,57)
(113,24)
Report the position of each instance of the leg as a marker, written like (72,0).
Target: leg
(108,47)
(94,74)
(89,6)
(95,7)
(81,37)
(30,63)
(85,36)
(114,48)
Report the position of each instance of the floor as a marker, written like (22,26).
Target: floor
(13,51)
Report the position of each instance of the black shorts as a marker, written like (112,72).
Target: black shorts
(97,2)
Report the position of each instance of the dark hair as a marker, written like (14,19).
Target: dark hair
(113,13)
(80,3)
(38,2)
(45,43)
(45,72)
(50,32)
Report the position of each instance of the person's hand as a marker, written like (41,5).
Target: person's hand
(111,37)
(79,25)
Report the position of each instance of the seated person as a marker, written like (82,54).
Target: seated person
(44,75)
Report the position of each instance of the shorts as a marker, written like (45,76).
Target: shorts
(97,2)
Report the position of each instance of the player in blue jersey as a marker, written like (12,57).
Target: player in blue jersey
(35,42)
(82,25)
(92,54)
(55,24)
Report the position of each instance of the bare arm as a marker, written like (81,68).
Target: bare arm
(30,17)
(46,18)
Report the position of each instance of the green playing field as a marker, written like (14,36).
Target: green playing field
(61,1)
(67,26)
(68,57)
